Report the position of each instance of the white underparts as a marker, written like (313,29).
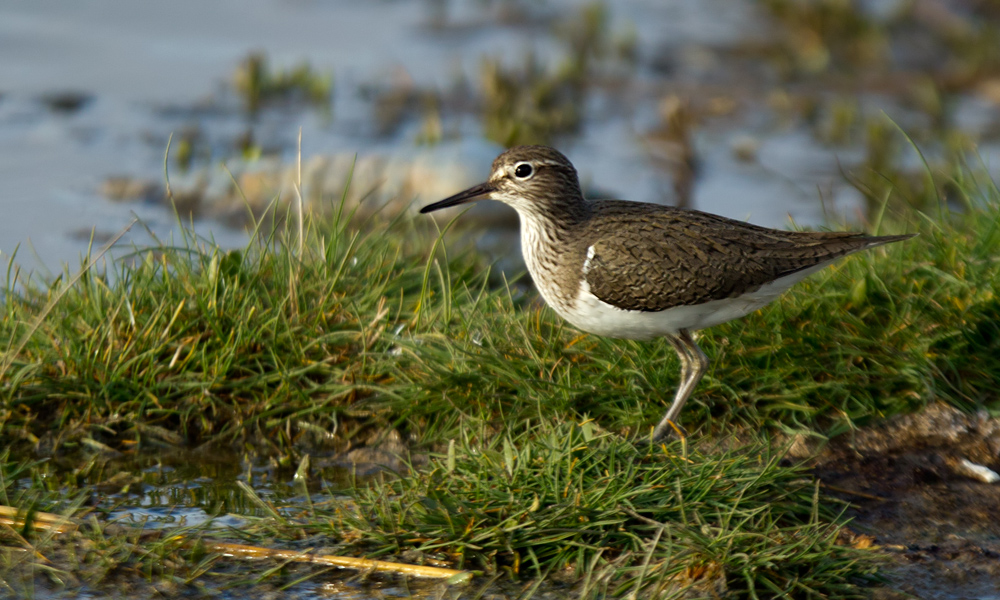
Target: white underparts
(593,315)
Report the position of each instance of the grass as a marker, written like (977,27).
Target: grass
(362,330)
(534,103)
(615,519)
(281,349)
(259,85)
(563,505)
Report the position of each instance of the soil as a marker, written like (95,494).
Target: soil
(938,527)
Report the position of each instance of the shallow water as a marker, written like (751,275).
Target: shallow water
(133,73)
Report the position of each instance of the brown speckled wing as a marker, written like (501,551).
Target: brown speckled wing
(651,258)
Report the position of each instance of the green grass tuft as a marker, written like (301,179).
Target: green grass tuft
(592,507)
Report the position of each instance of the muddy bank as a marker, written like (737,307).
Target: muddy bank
(910,489)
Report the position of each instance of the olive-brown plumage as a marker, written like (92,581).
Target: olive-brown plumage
(664,261)
(636,270)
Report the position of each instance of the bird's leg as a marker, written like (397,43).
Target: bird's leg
(694,363)
(665,425)
(684,356)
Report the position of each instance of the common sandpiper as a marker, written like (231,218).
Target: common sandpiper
(638,271)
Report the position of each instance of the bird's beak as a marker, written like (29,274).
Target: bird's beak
(473,193)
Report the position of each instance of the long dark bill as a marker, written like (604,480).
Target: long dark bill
(473,193)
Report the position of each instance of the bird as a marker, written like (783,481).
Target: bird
(635,270)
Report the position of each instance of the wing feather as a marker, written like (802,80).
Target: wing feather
(661,257)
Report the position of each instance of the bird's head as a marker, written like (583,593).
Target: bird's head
(534,180)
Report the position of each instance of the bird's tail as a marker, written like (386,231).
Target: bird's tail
(880,240)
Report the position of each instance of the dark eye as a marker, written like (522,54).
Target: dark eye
(523,170)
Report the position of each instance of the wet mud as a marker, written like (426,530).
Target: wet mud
(910,490)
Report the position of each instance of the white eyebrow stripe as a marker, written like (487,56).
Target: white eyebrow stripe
(497,174)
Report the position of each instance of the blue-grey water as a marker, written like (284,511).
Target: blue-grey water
(144,70)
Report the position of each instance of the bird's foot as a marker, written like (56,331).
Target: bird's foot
(666,431)
(676,430)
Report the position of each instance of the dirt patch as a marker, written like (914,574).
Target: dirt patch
(910,488)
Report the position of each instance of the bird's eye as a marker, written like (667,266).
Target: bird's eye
(523,170)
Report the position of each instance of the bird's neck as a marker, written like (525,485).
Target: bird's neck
(548,231)
(555,222)
(547,244)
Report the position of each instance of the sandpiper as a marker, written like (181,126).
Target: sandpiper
(637,271)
